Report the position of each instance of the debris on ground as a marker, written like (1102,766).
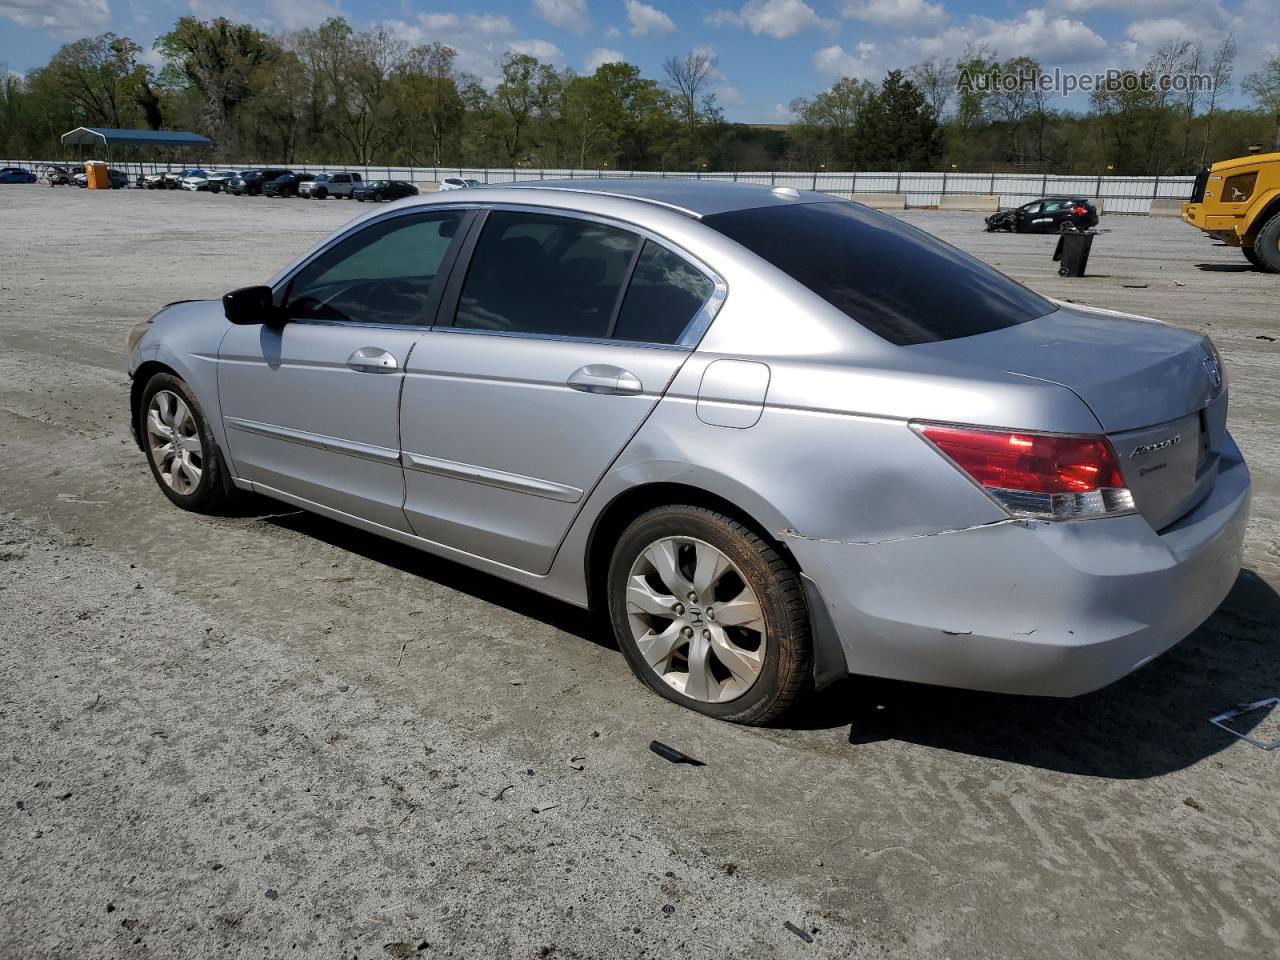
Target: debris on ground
(674,755)
(798,932)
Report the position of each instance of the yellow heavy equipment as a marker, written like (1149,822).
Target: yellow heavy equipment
(1238,202)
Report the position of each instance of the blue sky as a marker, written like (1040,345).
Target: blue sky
(768,51)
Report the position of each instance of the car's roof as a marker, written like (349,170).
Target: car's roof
(698,198)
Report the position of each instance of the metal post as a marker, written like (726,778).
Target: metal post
(1155,190)
(1044,183)
(992,191)
(855,183)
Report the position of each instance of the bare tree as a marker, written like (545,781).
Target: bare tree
(1224,59)
(688,77)
(936,79)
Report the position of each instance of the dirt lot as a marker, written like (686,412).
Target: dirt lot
(268,735)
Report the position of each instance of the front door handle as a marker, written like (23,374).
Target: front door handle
(373,360)
(604,378)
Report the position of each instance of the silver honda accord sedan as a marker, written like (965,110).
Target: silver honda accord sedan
(773,437)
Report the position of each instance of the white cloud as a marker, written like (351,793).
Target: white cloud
(74,18)
(646,19)
(773,18)
(598,57)
(727,94)
(781,113)
(543,50)
(482,25)
(895,13)
(568,14)
(1160,30)
(1050,39)
(836,62)
(612,33)
(723,18)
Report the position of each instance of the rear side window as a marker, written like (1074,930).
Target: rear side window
(548,275)
(898,282)
(383,274)
(665,292)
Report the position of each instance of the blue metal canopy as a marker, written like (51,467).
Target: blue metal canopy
(148,138)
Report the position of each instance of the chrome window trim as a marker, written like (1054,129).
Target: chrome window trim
(597,341)
(693,331)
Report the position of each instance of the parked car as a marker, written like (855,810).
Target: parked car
(286,185)
(1047,215)
(458,183)
(117,178)
(774,436)
(195,180)
(218,179)
(251,182)
(58,174)
(16,175)
(330,185)
(378,190)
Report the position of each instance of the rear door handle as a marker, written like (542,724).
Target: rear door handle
(373,360)
(604,378)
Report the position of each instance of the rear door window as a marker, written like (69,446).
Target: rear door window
(897,281)
(537,274)
(665,293)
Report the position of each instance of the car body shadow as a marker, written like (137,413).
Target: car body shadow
(447,573)
(1150,723)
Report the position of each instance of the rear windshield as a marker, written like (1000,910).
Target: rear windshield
(898,282)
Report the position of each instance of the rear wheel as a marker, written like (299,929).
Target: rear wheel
(180,447)
(709,615)
(1252,256)
(1266,245)
(378,196)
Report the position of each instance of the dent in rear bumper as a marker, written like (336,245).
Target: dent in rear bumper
(1049,609)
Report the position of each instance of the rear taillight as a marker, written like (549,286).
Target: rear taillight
(1082,211)
(1035,474)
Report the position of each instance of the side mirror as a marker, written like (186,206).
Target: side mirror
(251,305)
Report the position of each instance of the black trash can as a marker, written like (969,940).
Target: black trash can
(1072,252)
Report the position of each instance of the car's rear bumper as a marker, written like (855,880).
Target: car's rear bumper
(1051,609)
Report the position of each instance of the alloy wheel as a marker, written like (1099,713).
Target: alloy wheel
(696,622)
(174,441)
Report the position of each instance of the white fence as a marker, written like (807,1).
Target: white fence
(1118,194)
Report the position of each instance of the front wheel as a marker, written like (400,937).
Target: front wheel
(1266,245)
(710,615)
(180,447)
(320,194)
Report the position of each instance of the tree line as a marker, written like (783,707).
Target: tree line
(335,94)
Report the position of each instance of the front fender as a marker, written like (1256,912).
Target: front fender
(185,338)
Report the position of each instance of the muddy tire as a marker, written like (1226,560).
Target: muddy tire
(181,450)
(710,615)
(1266,246)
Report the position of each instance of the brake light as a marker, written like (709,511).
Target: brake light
(1081,211)
(1036,474)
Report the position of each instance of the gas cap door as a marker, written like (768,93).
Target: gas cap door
(732,393)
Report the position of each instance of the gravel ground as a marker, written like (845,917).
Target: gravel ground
(267,734)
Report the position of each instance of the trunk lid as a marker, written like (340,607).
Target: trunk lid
(1155,390)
